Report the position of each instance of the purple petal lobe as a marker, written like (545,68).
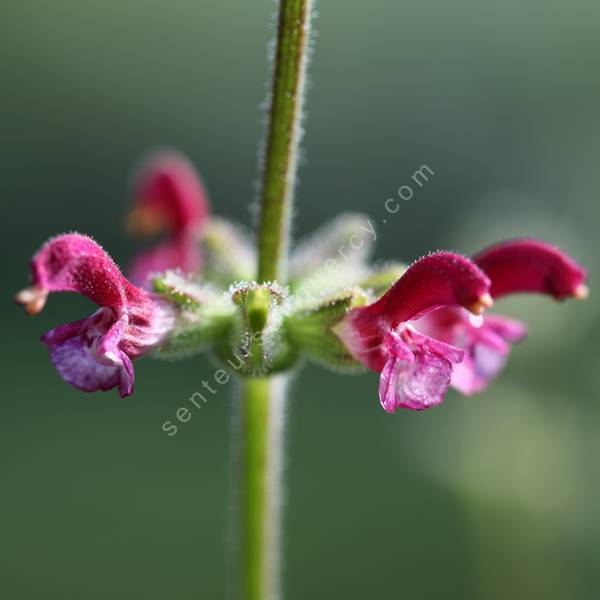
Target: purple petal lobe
(486,352)
(77,365)
(418,371)
(86,353)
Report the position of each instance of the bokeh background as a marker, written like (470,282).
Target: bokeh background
(492,497)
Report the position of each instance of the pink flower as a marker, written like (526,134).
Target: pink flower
(415,369)
(514,266)
(95,353)
(168,196)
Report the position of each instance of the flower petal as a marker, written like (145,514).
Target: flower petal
(170,190)
(510,330)
(75,352)
(486,351)
(530,265)
(77,365)
(109,342)
(440,279)
(417,373)
(417,384)
(69,330)
(75,263)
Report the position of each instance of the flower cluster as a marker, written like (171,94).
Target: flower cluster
(423,327)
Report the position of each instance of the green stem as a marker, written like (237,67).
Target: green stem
(262,411)
(283,135)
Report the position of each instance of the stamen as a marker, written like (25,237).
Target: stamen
(581,292)
(484,302)
(33,299)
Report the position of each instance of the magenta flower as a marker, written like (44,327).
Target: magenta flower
(514,266)
(95,353)
(168,196)
(416,369)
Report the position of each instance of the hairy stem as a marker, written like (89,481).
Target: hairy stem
(261,410)
(283,135)
(259,457)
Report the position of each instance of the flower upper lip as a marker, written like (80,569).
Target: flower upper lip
(434,281)
(532,266)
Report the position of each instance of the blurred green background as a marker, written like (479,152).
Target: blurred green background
(492,497)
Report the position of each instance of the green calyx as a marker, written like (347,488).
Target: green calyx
(310,328)
(203,315)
